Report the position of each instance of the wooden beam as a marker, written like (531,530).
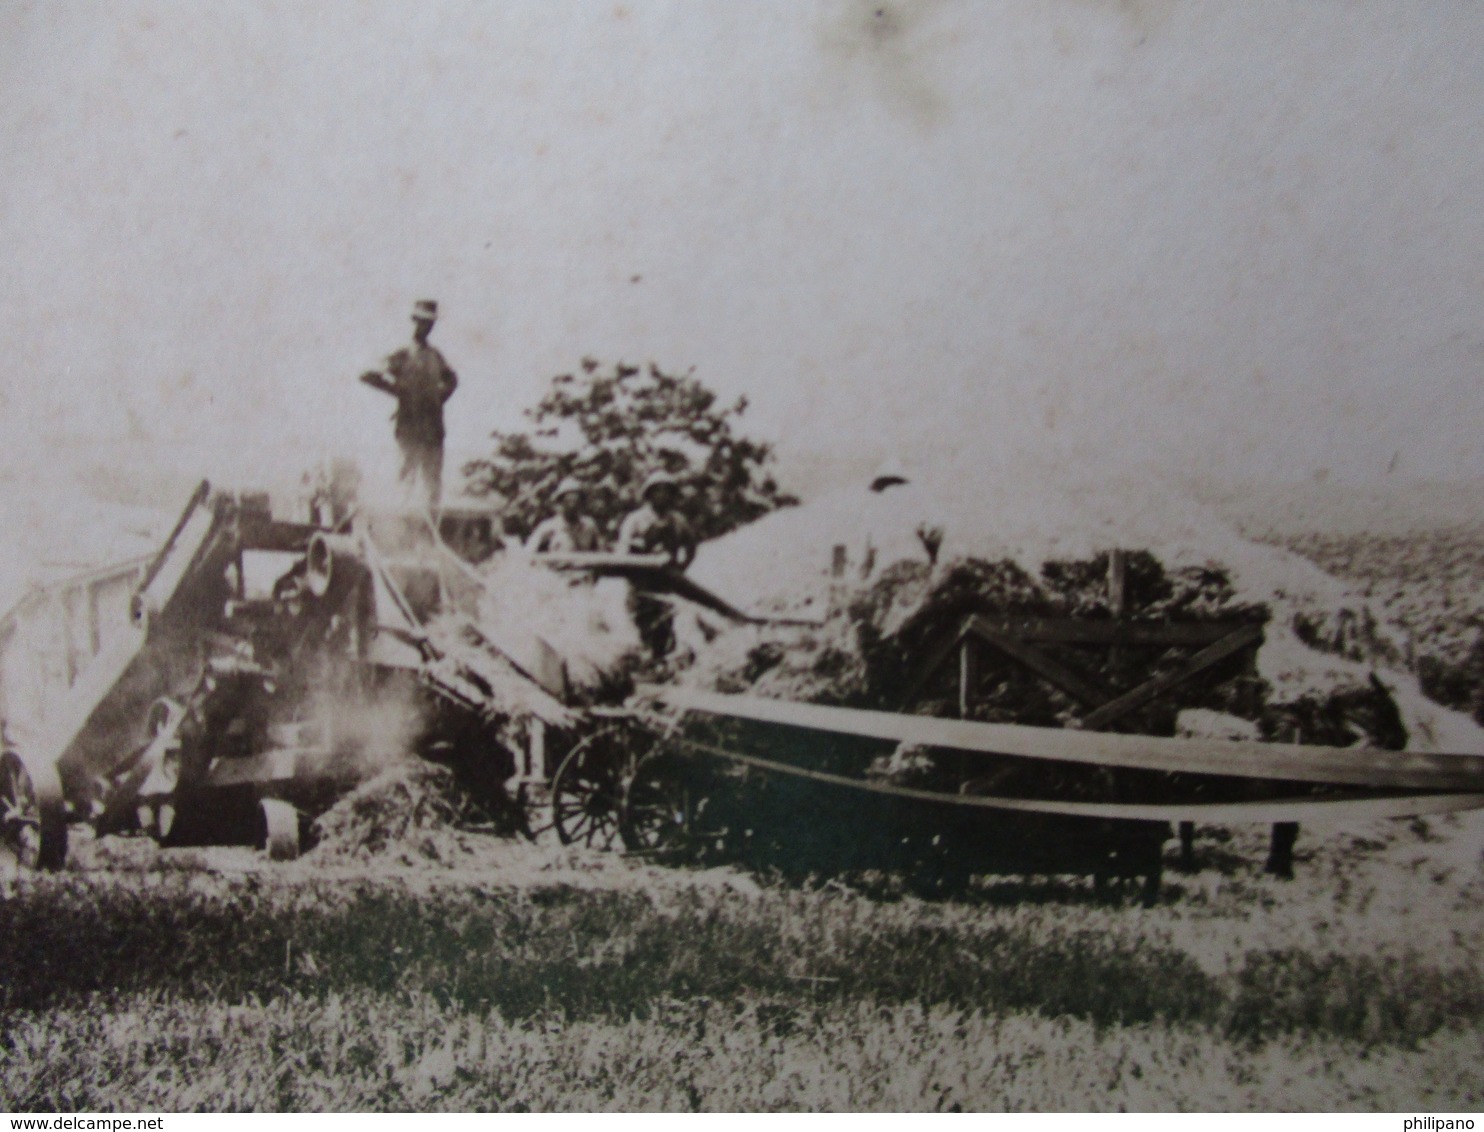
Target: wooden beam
(1355,766)
(1068,631)
(1321,810)
(1229,645)
(601,562)
(1080,688)
(968,675)
(1117,582)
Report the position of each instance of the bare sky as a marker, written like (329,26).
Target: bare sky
(1245,239)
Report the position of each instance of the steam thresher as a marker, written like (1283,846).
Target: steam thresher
(240,678)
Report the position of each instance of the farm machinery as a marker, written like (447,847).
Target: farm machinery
(933,790)
(238,681)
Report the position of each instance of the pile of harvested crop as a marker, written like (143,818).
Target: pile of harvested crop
(408,813)
(1324,684)
(869,649)
(586,623)
(1029,542)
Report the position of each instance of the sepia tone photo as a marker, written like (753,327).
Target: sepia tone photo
(858,555)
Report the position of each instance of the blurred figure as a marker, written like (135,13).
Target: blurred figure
(421,380)
(571,529)
(657,527)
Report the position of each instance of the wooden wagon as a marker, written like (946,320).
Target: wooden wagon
(693,773)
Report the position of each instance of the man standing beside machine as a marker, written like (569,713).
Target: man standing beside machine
(421,380)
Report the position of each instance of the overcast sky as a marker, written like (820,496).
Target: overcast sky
(1243,238)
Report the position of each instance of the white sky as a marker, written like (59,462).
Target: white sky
(1245,239)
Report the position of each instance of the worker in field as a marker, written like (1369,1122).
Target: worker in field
(657,527)
(571,529)
(420,379)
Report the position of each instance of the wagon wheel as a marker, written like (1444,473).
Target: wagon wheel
(660,807)
(34,829)
(587,789)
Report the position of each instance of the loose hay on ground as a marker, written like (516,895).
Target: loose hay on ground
(408,812)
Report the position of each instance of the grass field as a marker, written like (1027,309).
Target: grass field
(536,978)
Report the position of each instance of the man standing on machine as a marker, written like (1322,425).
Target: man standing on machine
(421,381)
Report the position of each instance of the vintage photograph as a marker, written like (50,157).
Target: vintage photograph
(848,555)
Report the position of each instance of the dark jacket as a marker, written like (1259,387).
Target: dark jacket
(420,380)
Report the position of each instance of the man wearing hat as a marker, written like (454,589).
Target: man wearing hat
(421,381)
(569,530)
(657,527)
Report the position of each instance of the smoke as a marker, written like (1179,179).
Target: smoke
(363,733)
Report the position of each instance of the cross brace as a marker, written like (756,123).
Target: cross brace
(1009,637)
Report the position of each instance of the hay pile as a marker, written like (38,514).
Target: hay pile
(1328,671)
(407,813)
(1029,516)
(587,623)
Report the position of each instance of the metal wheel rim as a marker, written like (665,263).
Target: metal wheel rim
(657,810)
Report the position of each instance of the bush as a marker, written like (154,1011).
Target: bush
(610,430)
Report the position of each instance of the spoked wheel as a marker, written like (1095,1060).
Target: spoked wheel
(34,829)
(587,789)
(660,808)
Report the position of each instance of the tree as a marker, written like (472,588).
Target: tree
(610,430)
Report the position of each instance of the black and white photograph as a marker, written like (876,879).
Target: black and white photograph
(760,556)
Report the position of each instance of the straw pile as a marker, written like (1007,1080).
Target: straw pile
(1328,670)
(587,624)
(407,812)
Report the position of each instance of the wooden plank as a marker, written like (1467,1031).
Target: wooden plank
(1317,811)
(654,574)
(968,676)
(1080,688)
(197,499)
(1229,645)
(1405,770)
(601,562)
(187,546)
(1070,631)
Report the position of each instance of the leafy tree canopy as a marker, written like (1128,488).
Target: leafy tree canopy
(610,429)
